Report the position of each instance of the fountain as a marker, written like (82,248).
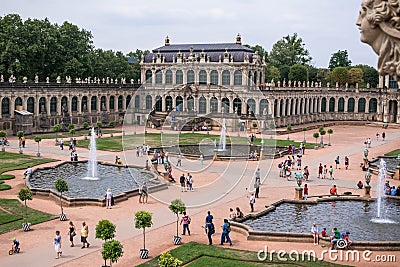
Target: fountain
(222,138)
(92,163)
(381,209)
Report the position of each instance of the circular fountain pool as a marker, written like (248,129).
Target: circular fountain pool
(357,217)
(118,179)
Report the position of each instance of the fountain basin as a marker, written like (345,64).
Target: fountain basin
(291,220)
(123,182)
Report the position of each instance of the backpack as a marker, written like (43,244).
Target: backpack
(228,227)
(212,229)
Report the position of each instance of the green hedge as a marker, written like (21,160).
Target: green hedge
(4,187)
(7,176)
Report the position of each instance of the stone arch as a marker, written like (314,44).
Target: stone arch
(158,105)
(137,102)
(226,77)
(128,101)
(296,109)
(237,106)
(237,79)
(168,102)
(341,104)
(53,105)
(350,104)
(5,106)
(64,102)
(202,105)
(30,105)
(281,108)
(158,77)
(149,76)
(275,107)
(361,105)
(111,102)
(18,102)
(93,103)
(103,103)
(74,104)
(225,104)
(332,104)
(84,103)
(264,106)
(373,105)
(149,102)
(251,106)
(190,103)
(120,104)
(213,104)
(214,77)
(287,107)
(42,105)
(323,104)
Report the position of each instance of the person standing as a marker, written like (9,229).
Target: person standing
(337,162)
(62,144)
(182,181)
(226,228)
(383,136)
(145,194)
(325,172)
(57,244)
(258,174)
(201,159)
(305,192)
(23,140)
(84,235)
(314,231)
(252,201)
(179,162)
(257,187)
(71,233)
(210,230)
(346,162)
(190,180)
(108,198)
(186,221)
(320,170)
(331,173)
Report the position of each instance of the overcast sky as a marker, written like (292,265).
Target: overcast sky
(325,26)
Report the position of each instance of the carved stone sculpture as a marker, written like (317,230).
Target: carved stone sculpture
(36,79)
(379,24)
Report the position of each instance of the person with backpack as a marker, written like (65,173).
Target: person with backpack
(226,229)
(210,230)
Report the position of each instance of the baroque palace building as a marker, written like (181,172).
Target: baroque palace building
(186,81)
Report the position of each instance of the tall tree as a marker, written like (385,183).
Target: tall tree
(340,75)
(259,49)
(288,51)
(298,73)
(339,59)
(355,76)
(272,73)
(370,76)
(324,76)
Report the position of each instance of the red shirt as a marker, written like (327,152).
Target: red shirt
(305,190)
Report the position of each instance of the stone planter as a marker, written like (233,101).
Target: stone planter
(26,227)
(144,253)
(177,240)
(62,217)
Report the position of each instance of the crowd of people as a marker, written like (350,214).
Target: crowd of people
(334,238)
(391,190)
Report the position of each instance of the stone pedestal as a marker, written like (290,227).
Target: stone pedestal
(367,191)
(298,193)
(397,174)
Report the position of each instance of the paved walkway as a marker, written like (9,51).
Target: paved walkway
(223,185)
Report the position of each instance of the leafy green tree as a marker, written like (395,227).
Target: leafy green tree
(37,139)
(105,230)
(322,133)
(324,76)
(85,125)
(316,135)
(340,75)
(298,73)
(370,75)
(284,72)
(143,219)
(355,76)
(259,49)
(288,51)
(272,73)
(135,67)
(312,73)
(112,250)
(25,194)
(177,206)
(61,186)
(339,59)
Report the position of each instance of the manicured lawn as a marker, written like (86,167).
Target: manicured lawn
(116,143)
(393,153)
(14,161)
(195,254)
(15,210)
(66,135)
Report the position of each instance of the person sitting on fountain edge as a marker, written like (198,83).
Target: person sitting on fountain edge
(360,185)
(335,238)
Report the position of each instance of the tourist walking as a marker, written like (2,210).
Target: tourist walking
(182,180)
(62,144)
(337,162)
(320,170)
(252,201)
(257,187)
(84,235)
(71,233)
(346,162)
(226,228)
(210,230)
(108,196)
(325,172)
(383,136)
(258,174)
(331,173)
(190,181)
(143,193)
(185,221)
(57,244)
(179,161)
(314,231)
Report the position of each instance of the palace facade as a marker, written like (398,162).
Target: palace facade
(186,81)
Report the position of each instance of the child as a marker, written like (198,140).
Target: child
(323,232)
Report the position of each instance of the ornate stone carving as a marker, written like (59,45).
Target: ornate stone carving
(379,24)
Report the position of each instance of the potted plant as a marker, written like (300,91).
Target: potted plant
(38,139)
(24,195)
(322,133)
(112,250)
(61,186)
(304,131)
(167,260)
(316,135)
(20,134)
(177,206)
(143,220)
(105,230)
(3,134)
(330,131)
(56,129)
(288,128)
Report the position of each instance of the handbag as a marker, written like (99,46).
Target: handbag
(73,234)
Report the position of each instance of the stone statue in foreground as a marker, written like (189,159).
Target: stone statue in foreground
(379,24)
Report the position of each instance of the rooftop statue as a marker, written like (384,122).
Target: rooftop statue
(379,24)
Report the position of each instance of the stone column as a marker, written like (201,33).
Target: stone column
(163,105)
(385,104)
(48,106)
(345,103)
(336,104)
(278,108)
(270,107)
(366,106)
(356,105)
(398,112)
